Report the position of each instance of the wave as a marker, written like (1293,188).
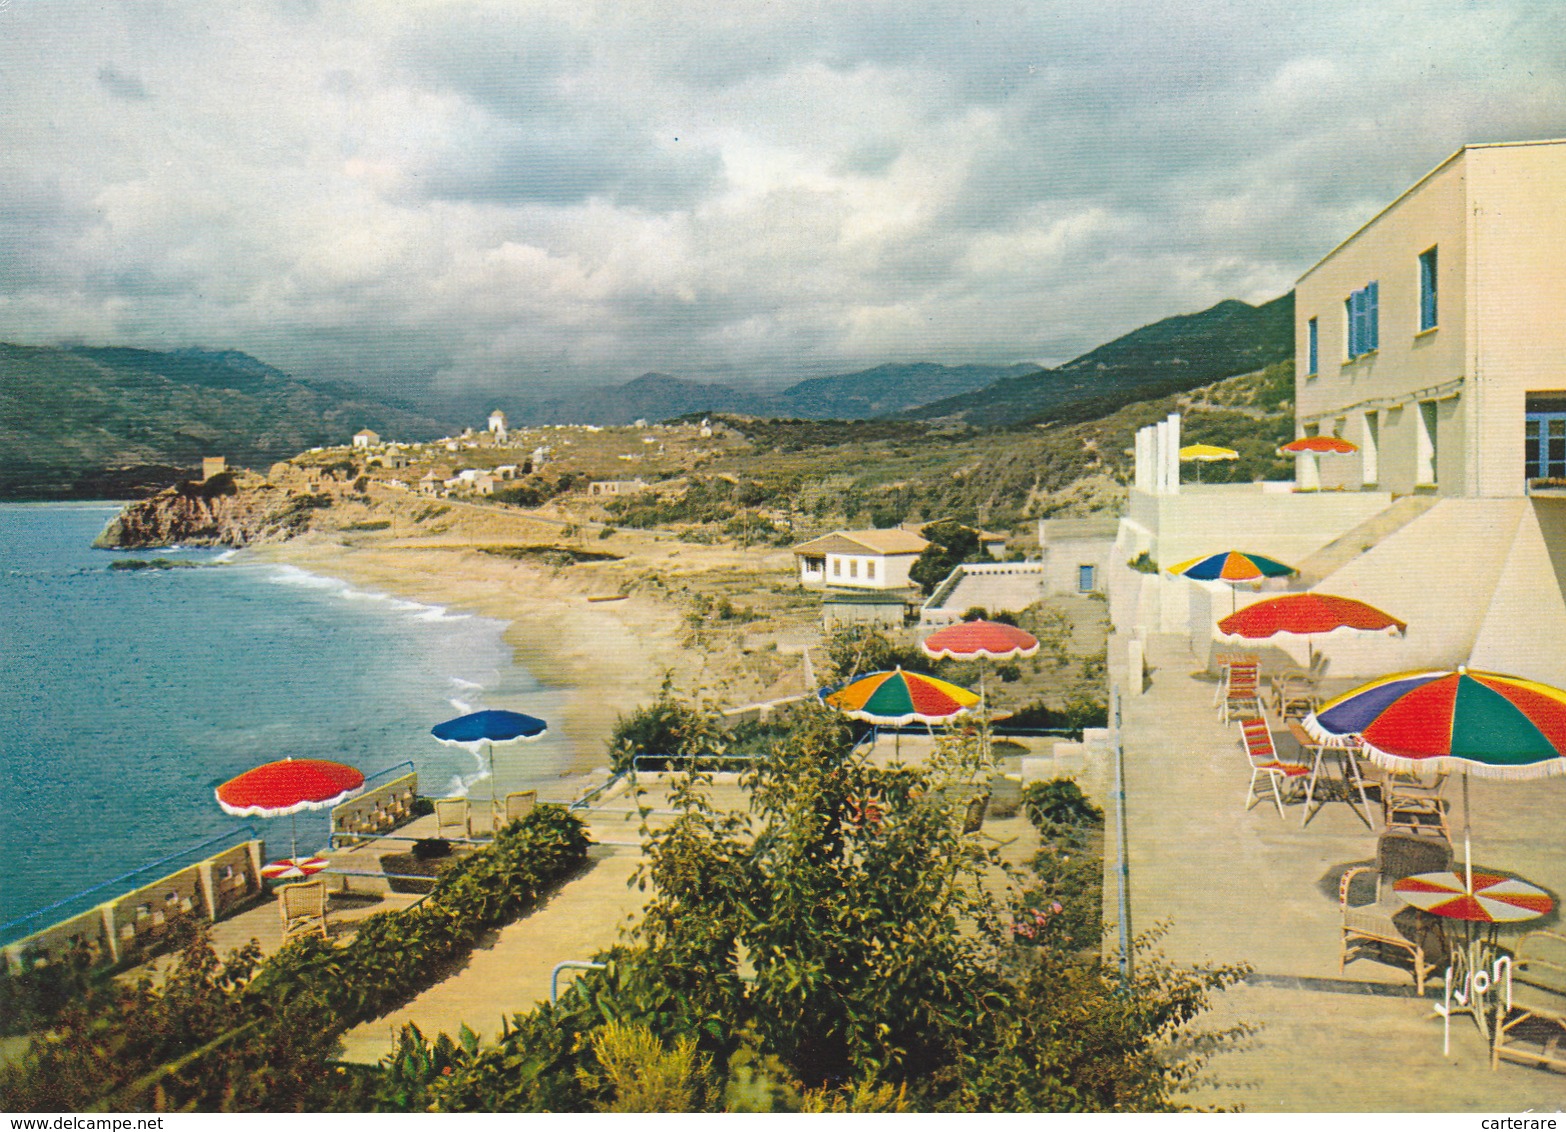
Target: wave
(289,575)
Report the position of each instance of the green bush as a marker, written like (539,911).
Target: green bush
(667,726)
(244,1035)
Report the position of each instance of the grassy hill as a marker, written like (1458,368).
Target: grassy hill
(1170,356)
(109,422)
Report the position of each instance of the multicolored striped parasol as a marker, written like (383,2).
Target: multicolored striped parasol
(1491,725)
(898,698)
(1232,566)
(1476,722)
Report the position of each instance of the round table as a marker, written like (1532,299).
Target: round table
(1494,899)
(294,868)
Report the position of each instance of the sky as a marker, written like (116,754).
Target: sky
(445,197)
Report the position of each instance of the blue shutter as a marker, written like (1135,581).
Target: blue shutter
(1427,290)
(1372,316)
(1311,334)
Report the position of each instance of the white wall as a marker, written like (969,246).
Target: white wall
(852,571)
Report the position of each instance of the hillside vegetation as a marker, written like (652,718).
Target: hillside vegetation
(1170,356)
(106,422)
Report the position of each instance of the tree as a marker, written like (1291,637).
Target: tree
(951,544)
(887,973)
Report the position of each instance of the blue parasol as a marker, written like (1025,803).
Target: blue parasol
(483,729)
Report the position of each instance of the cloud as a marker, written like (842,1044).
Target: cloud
(486,194)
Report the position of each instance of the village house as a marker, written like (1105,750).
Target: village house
(616,487)
(866,560)
(497,426)
(365,438)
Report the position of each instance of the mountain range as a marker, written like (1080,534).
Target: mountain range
(83,422)
(876,392)
(109,422)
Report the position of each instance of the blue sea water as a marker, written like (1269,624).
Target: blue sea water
(126,696)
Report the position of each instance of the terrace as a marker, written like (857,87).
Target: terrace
(1236,885)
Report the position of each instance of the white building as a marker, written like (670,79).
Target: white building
(866,560)
(364,438)
(497,426)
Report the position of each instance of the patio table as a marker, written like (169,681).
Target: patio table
(1349,768)
(1494,899)
(292,868)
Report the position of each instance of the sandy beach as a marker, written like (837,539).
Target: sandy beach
(605,656)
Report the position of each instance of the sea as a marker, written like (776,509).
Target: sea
(128,695)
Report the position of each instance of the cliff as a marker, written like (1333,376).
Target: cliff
(230,509)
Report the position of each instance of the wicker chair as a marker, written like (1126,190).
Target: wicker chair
(1533,1028)
(1387,922)
(517,804)
(452,813)
(303,907)
(1256,742)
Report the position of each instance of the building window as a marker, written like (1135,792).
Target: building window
(1544,446)
(1086,577)
(853,567)
(1427,290)
(1364,321)
(870,568)
(837,567)
(1310,347)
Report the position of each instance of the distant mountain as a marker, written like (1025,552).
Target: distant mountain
(885,389)
(1170,356)
(875,392)
(111,421)
(653,396)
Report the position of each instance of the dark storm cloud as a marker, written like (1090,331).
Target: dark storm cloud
(504,194)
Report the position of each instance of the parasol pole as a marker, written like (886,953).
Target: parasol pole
(1468,849)
(489,745)
(293,835)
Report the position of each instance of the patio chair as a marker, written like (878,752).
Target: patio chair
(1294,695)
(1387,922)
(1537,1017)
(1413,802)
(1242,694)
(1256,742)
(303,908)
(452,814)
(1227,662)
(517,804)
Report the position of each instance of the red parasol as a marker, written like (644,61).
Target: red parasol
(1319,444)
(287,787)
(976,640)
(1307,615)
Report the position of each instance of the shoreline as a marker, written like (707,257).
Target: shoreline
(603,658)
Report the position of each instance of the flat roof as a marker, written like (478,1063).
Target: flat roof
(1398,199)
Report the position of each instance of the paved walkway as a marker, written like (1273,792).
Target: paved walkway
(1246,886)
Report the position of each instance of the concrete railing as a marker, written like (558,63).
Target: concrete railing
(137,921)
(377,811)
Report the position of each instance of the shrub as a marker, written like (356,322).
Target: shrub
(667,726)
(212,1036)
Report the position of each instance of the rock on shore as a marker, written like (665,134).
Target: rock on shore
(230,509)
